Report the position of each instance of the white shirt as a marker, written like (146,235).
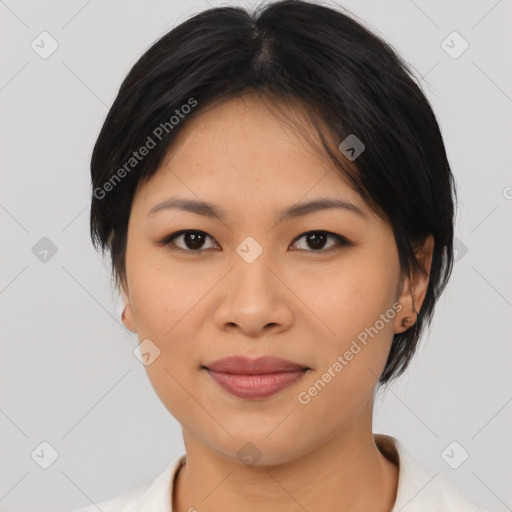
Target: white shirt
(419,490)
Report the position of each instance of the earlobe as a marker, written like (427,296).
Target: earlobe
(408,312)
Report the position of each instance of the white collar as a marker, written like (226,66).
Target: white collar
(419,490)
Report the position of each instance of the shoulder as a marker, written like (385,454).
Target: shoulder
(151,495)
(434,492)
(126,502)
(419,489)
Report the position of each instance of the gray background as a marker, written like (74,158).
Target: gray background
(68,373)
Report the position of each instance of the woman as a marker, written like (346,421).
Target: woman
(276,199)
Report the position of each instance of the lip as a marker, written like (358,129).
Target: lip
(243,365)
(254,378)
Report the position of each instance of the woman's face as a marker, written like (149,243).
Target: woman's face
(256,284)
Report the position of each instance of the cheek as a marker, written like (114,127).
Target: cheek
(164,294)
(351,294)
(166,311)
(354,302)
(349,362)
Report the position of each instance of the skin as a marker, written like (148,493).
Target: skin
(303,304)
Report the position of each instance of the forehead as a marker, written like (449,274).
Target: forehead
(249,151)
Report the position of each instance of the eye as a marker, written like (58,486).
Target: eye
(317,240)
(192,240)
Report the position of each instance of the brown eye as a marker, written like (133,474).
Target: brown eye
(316,240)
(188,240)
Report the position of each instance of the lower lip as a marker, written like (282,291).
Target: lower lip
(255,386)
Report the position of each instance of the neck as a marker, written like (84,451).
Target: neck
(347,472)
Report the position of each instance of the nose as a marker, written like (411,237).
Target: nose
(255,299)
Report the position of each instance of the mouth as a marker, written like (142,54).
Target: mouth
(243,365)
(254,378)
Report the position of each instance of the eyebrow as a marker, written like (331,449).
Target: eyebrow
(297,210)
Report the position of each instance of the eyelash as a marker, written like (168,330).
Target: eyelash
(342,241)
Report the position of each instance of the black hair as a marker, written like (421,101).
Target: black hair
(346,79)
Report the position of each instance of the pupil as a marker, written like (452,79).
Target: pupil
(316,240)
(194,240)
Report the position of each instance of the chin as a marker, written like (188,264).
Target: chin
(257,449)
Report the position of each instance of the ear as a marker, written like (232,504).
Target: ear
(414,287)
(128,317)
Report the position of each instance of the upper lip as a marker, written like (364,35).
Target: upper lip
(261,365)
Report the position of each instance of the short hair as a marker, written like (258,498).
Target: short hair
(347,80)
